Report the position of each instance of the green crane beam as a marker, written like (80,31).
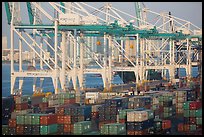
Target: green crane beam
(62,9)
(30,13)
(8,12)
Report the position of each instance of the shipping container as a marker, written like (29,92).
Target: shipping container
(113,129)
(48,129)
(48,119)
(82,127)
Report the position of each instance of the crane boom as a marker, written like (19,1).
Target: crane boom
(8,12)
(30,13)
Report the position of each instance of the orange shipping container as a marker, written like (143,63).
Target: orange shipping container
(12,123)
(67,119)
(166,124)
(67,128)
(19,129)
(60,119)
(129,132)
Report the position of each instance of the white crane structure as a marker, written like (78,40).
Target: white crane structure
(160,42)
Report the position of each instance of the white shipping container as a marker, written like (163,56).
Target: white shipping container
(92,101)
(155,100)
(53,103)
(174,101)
(92,95)
(131,116)
(140,116)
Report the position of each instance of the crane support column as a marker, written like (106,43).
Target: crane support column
(110,77)
(81,73)
(13,78)
(62,72)
(20,62)
(74,77)
(55,82)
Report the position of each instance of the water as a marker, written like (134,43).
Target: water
(91,81)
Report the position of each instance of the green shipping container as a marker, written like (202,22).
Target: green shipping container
(167,115)
(158,124)
(150,114)
(123,113)
(61,100)
(168,109)
(199,120)
(192,127)
(82,127)
(5,130)
(35,119)
(105,129)
(44,100)
(198,113)
(192,113)
(186,105)
(49,129)
(28,120)
(117,128)
(113,129)
(186,113)
(161,99)
(20,119)
(92,133)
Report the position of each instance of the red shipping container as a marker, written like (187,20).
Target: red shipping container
(180,127)
(19,129)
(48,119)
(95,114)
(166,124)
(122,121)
(195,105)
(161,109)
(67,119)
(192,120)
(60,119)
(72,128)
(199,127)
(67,128)
(69,101)
(147,106)
(186,127)
(22,106)
(130,132)
(12,123)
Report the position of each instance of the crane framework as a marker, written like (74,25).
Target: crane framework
(160,42)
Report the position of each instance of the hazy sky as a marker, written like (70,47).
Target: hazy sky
(191,11)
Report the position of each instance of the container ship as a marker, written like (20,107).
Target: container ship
(67,41)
